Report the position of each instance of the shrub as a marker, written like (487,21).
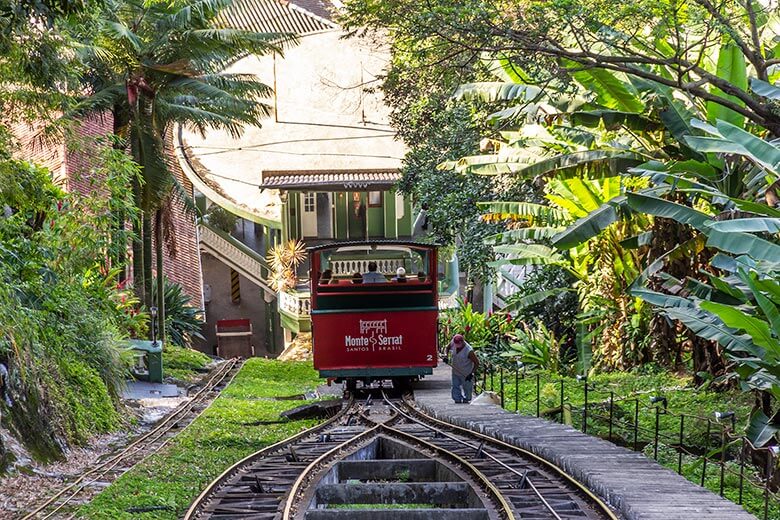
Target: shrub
(62,324)
(183,322)
(222,219)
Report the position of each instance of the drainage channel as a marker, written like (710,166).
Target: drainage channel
(534,487)
(385,460)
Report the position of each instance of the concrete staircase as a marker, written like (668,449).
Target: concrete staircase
(235,255)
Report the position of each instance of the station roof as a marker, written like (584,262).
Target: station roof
(330,126)
(330,180)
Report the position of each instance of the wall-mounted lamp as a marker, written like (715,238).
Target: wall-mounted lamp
(721,416)
(659,399)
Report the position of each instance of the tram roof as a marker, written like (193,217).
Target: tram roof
(369,243)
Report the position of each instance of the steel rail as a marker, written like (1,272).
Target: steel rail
(161,429)
(491,457)
(475,472)
(199,501)
(536,458)
(290,511)
(310,469)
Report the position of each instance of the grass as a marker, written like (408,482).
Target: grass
(165,484)
(183,364)
(697,404)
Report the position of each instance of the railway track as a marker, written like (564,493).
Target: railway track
(384,459)
(152,441)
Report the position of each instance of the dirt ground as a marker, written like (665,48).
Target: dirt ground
(31,483)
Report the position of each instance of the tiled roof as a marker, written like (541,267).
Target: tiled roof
(321,8)
(273,16)
(330,180)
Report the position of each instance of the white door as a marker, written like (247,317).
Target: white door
(309,214)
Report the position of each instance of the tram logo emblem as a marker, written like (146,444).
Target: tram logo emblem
(373,326)
(373,336)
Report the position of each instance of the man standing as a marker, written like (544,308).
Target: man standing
(464,365)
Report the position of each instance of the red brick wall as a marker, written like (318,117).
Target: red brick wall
(33,147)
(184,268)
(81,156)
(72,167)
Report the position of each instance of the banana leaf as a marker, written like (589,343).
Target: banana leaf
(492,91)
(610,91)
(768,307)
(709,326)
(761,428)
(731,67)
(764,89)
(744,244)
(522,303)
(747,225)
(664,208)
(589,226)
(516,235)
(757,329)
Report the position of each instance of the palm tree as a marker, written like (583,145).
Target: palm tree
(157,64)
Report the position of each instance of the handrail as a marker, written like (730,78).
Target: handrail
(237,255)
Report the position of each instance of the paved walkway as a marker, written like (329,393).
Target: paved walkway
(637,487)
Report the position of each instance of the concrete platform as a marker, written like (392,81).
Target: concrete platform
(637,487)
(144,390)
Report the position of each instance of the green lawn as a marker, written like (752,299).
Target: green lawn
(683,398)
(222,435)
(183,364)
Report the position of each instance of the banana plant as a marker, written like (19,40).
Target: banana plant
(602,267)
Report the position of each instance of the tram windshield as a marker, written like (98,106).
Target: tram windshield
(374,263)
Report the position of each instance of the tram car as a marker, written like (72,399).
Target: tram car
(374,311)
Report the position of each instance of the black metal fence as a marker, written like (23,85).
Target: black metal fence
(709,442)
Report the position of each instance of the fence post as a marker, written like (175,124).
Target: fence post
(538,395)
(585,408)
(655,436)
(722,456)
(680,451)
(562,401)
(636,424)
(741,469)
(484,377)
(517,391)
(769,466)
(706,450)
(611,408)
(501,374)
(492,372)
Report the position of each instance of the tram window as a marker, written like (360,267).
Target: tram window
(343,262)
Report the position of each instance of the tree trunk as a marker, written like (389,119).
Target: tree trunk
(707,358)
(119,244)
(158,239)
(139,282)
(147,259)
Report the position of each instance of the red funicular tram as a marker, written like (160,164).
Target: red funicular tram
(368,327)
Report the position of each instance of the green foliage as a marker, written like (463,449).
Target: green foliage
(225,433)
(557,310)
(538,347)
(184,364)
(481,331)
(222,219)
(62,316)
